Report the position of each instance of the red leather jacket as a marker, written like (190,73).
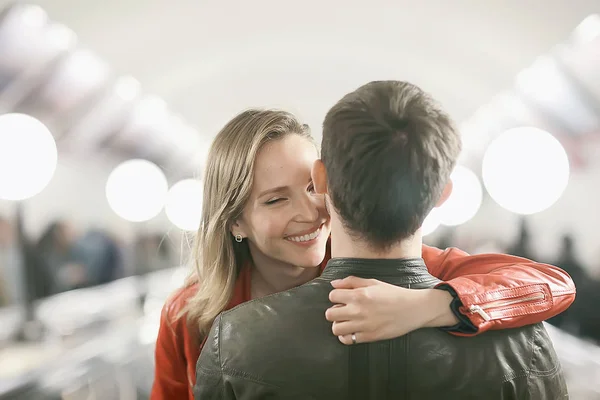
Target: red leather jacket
(497,292)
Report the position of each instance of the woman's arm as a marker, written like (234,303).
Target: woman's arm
(482,292)
(498,291)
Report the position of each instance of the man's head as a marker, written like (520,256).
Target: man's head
(387,153)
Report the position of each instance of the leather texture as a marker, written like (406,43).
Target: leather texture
(476,279)
(281,347)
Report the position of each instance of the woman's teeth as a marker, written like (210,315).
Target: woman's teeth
(305,238)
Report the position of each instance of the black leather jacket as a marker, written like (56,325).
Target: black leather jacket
(281,347)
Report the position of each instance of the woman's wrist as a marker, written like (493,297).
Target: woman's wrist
(438,309)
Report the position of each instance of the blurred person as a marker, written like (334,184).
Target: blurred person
(587,311)
(166,255)
(582,318)
(100,255)
(11,265)
(522,245)
(265,230)
(4,295)
(55,253)
(152,253)
(388,151)
(568,260)
(570,320)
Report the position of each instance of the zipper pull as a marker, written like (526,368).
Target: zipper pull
(480,311)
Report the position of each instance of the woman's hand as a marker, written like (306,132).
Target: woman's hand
(375,310)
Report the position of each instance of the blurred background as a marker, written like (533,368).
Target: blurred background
(107,110)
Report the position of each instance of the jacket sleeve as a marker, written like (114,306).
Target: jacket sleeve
(170,375)
(497,291)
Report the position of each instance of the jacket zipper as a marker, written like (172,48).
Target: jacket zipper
(502,303)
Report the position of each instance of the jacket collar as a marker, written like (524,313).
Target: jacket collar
(408,270)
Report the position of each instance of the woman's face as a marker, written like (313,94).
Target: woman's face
(284,220)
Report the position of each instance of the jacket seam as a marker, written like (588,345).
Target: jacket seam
(524,307)
(563,292)
(233,372)
(532,288)
(530,373)
(243,375)
(206,371)
(523,373)
(405,280)
(536,372)
(239,374)
(236,374)
(550,372)
(224,371)
(515,375)
(221,371)
(219,345)
(527,289)
(507,293)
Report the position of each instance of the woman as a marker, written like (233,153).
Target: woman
(264,230)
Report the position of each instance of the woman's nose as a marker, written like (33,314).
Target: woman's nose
(308,208)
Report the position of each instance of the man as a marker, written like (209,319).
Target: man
(387,153)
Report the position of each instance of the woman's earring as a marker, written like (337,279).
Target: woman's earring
(239,238)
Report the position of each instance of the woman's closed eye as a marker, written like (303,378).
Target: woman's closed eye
(274,201)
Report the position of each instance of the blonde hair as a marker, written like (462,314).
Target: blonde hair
(228,181)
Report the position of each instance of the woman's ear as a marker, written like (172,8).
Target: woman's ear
(236,228)
(319,177)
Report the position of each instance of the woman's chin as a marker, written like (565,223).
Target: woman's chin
(312,260)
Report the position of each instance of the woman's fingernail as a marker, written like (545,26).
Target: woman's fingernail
(335,281)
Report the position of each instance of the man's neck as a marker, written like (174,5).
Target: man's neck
(345,246)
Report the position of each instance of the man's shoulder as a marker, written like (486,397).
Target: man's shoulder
(497,355)
(273,327)
(262,313)
(312,291)
(264,339)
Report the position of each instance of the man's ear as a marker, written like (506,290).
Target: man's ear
(319,177)
(446,193)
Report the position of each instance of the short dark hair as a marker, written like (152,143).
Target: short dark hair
(388,149)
